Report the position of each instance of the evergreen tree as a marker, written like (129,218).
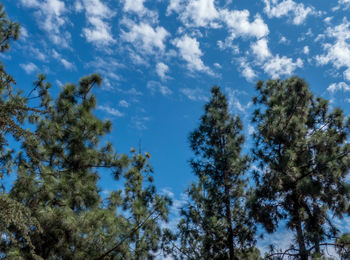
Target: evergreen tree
(58,174)
(16,222)
(214,222)
(144,209)
(13,109)
(302,151)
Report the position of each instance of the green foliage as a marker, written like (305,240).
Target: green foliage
(303,157)
(16,222)
(58,173)
(9,30)
(343,246)
(215,224)
(146,210)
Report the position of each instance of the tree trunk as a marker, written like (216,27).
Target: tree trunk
(229,220)
(301,241)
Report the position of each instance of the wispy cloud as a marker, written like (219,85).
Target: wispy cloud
(51,17)
(29,68)
(196,94)
(111,111)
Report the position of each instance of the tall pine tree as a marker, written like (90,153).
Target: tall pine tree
(58,173)
(215,223)
(302,151)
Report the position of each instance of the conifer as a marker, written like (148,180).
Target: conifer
(215,223)
(302,152)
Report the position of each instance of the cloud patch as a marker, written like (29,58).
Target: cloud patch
(195,13)
(277,9)
(155,87)
(195,94)
(144,37)
(29,68)
(338,52)
(335,87)
(111,111)
(98,30)
(281,66)
(190,52)
(239,25)
(161,70)
(50,16)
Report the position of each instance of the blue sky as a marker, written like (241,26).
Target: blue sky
(160,58)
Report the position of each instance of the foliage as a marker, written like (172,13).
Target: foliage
(16,222)
(59,184)
(303,156)
(215,223)
(146,210)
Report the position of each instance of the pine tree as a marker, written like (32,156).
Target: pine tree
(144,208)
(214,223)
(13,109)
(302,151)
(16,223)
(58,173)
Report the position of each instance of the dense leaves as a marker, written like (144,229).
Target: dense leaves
(303,155)
(215,223)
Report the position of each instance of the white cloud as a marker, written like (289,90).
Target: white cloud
(161,70)
(344,3)
(239,25)
(247,72)
(195,13)
(283,39)
(217,65)
(261,49)
(30,3)
(341,86)
(29,68)
(99,31)
(134,6)
(175,6)
(278,66)
(123,103)
(234,103)
(23,33)
(306,50)
(196,94)
(139,122)
(78,6)
(131,91)
(338,52)
(50,17)
(110,110)
(276,8)
(144,37)
(59,83)
(328,19)
(68,65)
(200,13)
(37,54)
(155,86)
(191,53)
